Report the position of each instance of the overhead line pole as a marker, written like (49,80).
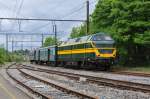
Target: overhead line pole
(12,45)
(42,40)
(87,17)
(6,44)
(56,46)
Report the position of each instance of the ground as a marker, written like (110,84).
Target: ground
(145,69)
(9,90)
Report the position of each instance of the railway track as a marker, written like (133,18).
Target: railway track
(132,73)
(125,85)
(24,85)
(57,86)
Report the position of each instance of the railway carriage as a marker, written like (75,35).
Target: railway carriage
(31,56)
(96,51)
(43,55)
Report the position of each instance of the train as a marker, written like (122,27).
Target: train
(92,51)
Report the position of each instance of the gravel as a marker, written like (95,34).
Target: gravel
(103,92)
(137,79)
(41,87)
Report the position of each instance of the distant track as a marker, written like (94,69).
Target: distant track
(132,73)
(97,80)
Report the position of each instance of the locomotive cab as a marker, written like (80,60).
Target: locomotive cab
(105,49)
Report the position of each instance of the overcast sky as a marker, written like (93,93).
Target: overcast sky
(52,9)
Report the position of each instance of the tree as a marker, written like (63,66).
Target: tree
(78,31)
(2,57)
(81,30)
(128,22)
(49,41)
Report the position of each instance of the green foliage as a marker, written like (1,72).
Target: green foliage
(78,31)
(10,57)
(2,57)
(81,30)
(128,22)
(17,57)
(49,41)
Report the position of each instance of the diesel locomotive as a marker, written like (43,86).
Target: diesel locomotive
(92,51)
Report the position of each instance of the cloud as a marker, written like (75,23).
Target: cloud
(67,9)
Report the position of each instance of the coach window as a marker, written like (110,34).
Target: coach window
(75,46)
(66,47)
(88,45)
(61,48)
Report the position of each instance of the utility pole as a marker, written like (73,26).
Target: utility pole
(56,55)
(22,46)
(0,25)
(42,40)
(7,42)
(12,45)
(87,17)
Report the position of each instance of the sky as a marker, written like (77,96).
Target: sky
(49,9)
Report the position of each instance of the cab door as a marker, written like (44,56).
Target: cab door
(48,54)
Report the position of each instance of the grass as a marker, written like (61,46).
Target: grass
(145,69)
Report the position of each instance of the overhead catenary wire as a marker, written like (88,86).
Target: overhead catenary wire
(74,10)
(19,8)
(69,14)
(2,4)
(58,4)
(92,5)
(18,14)
(15,8)
(40,27)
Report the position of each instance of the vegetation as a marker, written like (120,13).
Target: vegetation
(2,56)
(134,68)
(10,57)
(49,41)
(128,22)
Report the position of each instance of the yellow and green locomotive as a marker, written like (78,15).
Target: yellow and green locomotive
(92,51)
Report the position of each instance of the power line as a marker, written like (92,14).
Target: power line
(23,33)
(5,5)
(33,19)
(15,7)
(40,27)
(17,14)
(59,4)
(2,4)
(74,10)
(93,2)
(19,9)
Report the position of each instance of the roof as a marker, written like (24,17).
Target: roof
(79,40)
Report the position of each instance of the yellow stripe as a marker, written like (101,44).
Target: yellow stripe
(88,50)
(77,51)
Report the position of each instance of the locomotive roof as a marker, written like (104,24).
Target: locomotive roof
(99,37)
(45,47)
(85,39)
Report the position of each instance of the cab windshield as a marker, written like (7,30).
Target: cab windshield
(104,45)
(101,37)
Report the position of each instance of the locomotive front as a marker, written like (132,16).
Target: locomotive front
(104,49)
